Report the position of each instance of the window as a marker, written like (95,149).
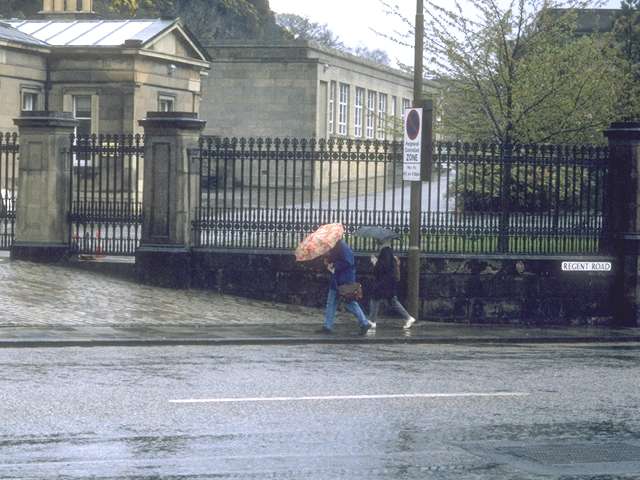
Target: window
(382,115)
(82,112)
(359,103)
(332,107)
(343,110)
(406,104)
(371,113)
(394,115)
(166,103)
(29,101)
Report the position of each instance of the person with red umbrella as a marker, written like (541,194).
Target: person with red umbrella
(327,242)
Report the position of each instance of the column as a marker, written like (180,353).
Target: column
(171,187)
(621,224)
(42,228)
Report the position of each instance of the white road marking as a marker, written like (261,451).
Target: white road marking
(348,397)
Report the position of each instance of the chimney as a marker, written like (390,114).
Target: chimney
(67,9)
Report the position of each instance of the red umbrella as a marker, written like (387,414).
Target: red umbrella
(319,242)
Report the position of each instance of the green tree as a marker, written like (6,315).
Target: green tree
(19,8)
(30,8)
(302,28)
(212,20)
(298,27)
(627,37)
(514,74)
(208,19)
(519,73)
(376,55)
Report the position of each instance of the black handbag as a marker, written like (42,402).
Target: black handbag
(350,292)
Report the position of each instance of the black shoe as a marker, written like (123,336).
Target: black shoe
(325,330)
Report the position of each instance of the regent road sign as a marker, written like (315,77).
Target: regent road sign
(586,266)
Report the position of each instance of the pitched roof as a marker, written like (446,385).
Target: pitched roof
(10,34)
(94,33)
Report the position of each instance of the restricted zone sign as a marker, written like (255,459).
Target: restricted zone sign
(412,145)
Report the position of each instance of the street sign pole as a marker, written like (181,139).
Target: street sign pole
(413,260)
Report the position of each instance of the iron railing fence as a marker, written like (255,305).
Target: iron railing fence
(9,149)
(105,205)
(269,193)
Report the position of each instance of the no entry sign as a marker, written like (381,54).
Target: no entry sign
(412,144)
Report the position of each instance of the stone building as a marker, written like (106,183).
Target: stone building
(109,73)
(589,20)
(301,90)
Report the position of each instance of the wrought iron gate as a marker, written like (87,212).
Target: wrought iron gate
(8,188)
(105,209)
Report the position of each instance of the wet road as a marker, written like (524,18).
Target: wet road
(319,412)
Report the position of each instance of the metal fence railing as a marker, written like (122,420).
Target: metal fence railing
(8,188)
(269,193)
(105,205)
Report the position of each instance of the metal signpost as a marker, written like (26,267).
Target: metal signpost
(413,256)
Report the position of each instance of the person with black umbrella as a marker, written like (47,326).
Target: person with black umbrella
(386,271)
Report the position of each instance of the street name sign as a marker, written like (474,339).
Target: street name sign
(586,266)
(411,157)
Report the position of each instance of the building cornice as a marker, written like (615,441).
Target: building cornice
(23,46)
(308,46)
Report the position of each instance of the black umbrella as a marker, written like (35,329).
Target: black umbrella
(380,234)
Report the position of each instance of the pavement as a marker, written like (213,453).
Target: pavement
(59,305)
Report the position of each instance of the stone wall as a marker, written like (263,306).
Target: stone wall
(489,290)
(510,290)
(254,97)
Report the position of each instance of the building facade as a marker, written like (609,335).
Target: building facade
(302,90)
(109,73)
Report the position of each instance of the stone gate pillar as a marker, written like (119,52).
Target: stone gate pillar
(622,219)
(170,192)
(42,227)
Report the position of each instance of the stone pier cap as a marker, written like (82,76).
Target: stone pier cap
(183,120)
(627,130)
(42,118)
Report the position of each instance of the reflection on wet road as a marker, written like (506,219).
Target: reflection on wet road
(364,411)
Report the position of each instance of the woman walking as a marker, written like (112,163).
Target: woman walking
(341,263)
(386,273)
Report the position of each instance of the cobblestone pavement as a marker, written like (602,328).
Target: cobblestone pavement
(53,304)
(36,295)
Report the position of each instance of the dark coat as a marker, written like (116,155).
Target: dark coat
(385,285)
(345,266)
